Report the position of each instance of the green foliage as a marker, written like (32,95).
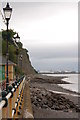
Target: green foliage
(0,36)
(25,50)
(11,34)
(20,45)
(12,55)
(17,51)
(4,44)
(18,71)
(12,49)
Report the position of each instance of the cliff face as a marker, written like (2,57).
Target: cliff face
(26,64)
(15,50)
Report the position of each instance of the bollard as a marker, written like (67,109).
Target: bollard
(10,108)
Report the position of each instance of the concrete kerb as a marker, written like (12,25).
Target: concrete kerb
(27,112)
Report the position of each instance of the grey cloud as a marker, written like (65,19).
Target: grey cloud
(48,52)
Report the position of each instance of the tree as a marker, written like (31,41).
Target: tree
(11,46)
(11,34)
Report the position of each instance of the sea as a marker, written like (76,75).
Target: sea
(73,79)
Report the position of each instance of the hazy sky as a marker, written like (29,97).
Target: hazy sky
(49,30)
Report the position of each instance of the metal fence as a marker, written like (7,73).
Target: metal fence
(12,101)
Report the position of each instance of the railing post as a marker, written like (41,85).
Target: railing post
(10,102)
(20,90)
(10,108)
(17,92)
(13,100)
(5,108)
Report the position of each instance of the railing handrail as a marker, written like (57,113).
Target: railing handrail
(16,84)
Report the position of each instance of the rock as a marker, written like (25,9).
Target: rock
(44,99)
(50,104)
(47,97)
(54,100)
(67,106)
(65,110)
(32,100)
(53,107)
(62,107)
(39,100)
(49,94)
(71,104)
(41,104)
(38,105)
(77,109)
(45,106)
(69,110)
(44,93)
(40,96)
(61,103)
(35,97)
(35,103)
(57,108)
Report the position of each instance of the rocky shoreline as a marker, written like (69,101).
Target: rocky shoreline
(43,99)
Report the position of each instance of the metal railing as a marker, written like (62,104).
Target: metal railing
(12,101)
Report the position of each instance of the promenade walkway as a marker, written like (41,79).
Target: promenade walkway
(27,109)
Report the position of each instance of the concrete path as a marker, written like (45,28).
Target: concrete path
(43,113)
(27,108)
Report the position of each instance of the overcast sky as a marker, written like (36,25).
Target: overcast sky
(49,31)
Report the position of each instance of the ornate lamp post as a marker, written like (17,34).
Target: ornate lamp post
(7,14)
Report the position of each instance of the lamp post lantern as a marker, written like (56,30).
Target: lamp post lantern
(17,38)
(7,14)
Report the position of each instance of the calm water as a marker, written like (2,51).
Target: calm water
(72,78)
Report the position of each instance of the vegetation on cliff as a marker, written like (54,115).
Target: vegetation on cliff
(16,50)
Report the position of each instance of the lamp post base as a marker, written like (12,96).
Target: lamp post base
(7,84)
